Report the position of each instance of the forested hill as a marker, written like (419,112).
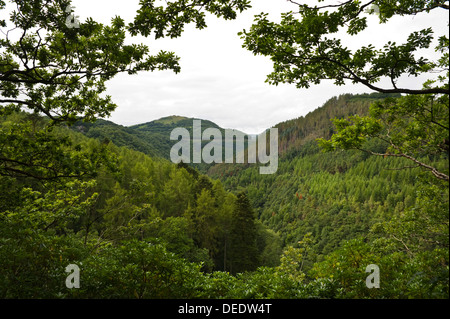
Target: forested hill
(153,138)
(335,197)
(307,231)
(165,125)
(107,131)
(92,209)
(295,135)
(296,132)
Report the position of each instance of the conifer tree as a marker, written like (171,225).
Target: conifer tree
(243,251)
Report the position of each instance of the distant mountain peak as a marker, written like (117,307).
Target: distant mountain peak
(171,119)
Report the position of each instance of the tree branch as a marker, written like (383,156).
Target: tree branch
(433,170)
(356,78)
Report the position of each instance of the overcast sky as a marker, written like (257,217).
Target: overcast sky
(221,81)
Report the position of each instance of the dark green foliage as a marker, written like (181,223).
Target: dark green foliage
(172,216)
(142,227)
(305,47)
(107,131)
(243,250)
(152,138)
(142,270)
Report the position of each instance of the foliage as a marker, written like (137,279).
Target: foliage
(243,250)
(185,230)
(304,51)
(412,127)
(138,269)
(31,149)
(352,204)
(291,262)
(50,68)
(36,244)
(142,227)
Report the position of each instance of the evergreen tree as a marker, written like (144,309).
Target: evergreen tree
(243,250)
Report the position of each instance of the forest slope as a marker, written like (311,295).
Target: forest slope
(307,231)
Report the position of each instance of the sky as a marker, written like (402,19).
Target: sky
(222,82)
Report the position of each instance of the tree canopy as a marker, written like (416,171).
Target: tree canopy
(139,226)
(304,51)
(53,68)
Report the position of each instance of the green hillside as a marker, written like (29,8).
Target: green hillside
(293,134)
(307,231)
(340,197)
(151,138)
(103,130)
(312,190)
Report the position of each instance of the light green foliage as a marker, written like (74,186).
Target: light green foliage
(293,258)
(412,127)
(204,218)
(31,149)
(425,276)
(36,242)
(177,195)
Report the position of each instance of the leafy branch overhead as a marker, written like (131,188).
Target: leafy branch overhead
(414,127)
(60,71)
(169,20)
(304,52)
(305,49)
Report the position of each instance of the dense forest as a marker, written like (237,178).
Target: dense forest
(307,231)
(362,180)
